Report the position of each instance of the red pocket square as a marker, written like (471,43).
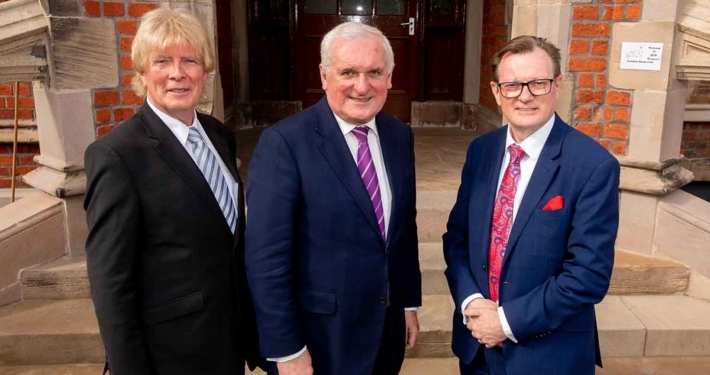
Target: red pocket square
(555,203)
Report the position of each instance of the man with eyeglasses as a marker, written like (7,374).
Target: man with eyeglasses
(529,245)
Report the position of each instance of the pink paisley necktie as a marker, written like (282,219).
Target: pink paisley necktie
(503,218)
(369,176)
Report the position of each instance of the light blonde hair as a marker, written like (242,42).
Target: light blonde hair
(163,28)
(353,31)
(527,44)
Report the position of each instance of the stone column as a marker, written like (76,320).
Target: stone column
(66,130)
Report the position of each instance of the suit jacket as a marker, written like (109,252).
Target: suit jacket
(167,274)
(317,266)
(557,264)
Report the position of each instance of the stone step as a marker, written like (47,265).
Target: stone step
(629,326)
(633,274)
(433,208)
(62,279)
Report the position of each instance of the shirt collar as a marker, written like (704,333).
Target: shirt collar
(176,126)
(533,144)
(347,128)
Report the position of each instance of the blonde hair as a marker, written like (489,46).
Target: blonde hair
(527,44)
(162,28)
(352,31)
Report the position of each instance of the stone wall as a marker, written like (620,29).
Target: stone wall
(599,109)
(27,120)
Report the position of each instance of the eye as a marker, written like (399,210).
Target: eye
(347,73)
(160,61)
(510,86)
(375,73)
(192,60)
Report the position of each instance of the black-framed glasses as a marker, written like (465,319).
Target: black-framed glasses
(538,87)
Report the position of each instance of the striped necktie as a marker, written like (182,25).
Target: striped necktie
(207,162)
(369,176)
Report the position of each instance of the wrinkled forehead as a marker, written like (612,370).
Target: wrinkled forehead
(362,51)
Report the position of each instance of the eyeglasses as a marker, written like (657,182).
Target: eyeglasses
(538,87)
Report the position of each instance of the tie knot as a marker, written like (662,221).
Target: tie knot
(193,135)
(516,154)
(361,133)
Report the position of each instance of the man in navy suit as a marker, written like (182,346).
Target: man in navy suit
(331,240)
(529,245)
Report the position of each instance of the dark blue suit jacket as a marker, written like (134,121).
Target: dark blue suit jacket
(317,266)
(557,264)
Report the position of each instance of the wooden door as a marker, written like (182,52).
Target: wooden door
(314,18)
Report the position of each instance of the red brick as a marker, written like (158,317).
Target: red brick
(592,130)
(102,116)
(25,89)
(5,182)
(103,130)
(25,114)
(92,8)
(126,27)
(586,12)
(615,12)
(605,143)
(588,64)
(105,98)
(616,131)
(2,102)
(7,114)
(27,148)
(600,47)
(137,9)
(122,114)
(585,80)
(622,115)
(578,47)
(126,80)
(582,114)
(113,9)
(21,171)
(5,89)
(705,153)
(26,160)
(22,103)
(619,98)
(590,96)
(591,30)
(633,12)
(126,63)
(6,160)
(130,97)
(619,148)
(601,81)
(126,44)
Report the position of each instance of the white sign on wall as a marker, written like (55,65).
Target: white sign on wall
(641,56)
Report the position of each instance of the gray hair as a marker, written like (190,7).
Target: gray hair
(353,31)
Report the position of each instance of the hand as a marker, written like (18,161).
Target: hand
(300,365)
(486,328)
(412,325)
(477,304)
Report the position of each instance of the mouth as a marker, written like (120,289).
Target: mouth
(360,100)
(178,91)
(526,110)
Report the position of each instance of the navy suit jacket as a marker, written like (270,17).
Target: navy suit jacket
(557,264)
(317,266)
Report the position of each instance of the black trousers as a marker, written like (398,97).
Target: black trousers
(486,362)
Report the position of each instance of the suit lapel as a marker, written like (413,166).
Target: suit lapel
(168,147)
(390,150)
(543,174)
(336,152)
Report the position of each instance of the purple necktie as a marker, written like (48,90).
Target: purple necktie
(369,176)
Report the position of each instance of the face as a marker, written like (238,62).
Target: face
(526,113)
(174,80)
(357,81)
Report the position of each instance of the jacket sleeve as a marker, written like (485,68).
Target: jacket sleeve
(273,196)
(456,252)
(413,293)
(113,217)
(586,271)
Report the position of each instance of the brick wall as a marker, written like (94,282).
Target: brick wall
(599,110)
(115,105)
(696,140)
(26,112)
(495,35)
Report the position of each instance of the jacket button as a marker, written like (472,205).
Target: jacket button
(484,266)
(383,300)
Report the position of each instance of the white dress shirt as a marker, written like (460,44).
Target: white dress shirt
(532,146)
(181,131)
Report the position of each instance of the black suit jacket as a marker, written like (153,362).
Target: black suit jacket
(167,274)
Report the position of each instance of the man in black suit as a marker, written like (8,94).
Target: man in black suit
(165,210)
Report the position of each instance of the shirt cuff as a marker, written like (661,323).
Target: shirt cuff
(466,302)
(288,358)
(506,327)
(412,309)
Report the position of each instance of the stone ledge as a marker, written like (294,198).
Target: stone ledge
(27,212)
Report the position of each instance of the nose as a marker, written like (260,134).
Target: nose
(361,83)
(176,71)
(526,95)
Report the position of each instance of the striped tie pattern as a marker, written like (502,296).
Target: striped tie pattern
(503,219)
(369,176)
(207,162)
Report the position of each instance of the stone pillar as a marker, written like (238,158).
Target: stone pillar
(650,169)
(66,129)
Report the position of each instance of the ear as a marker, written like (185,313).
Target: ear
(323,77)
(389,80)
(558,85)
(496,91)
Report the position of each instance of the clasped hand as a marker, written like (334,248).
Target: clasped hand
(484,323)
